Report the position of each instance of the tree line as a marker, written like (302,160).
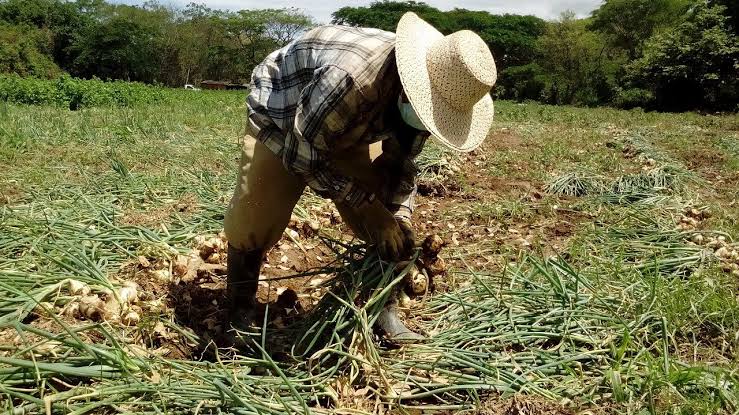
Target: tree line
(151,43)
(655,54)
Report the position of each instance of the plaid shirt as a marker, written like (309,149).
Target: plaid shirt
(333,89)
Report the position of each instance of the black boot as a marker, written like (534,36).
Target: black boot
(393,328)
(241,287)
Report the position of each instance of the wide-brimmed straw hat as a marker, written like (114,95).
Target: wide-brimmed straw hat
(447,80)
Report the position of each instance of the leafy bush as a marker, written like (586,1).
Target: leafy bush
(633,98)
(577,71)
(25,50)
(521,83)
(694,65)
(76,93)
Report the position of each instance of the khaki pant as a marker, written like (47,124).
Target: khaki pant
(266,194)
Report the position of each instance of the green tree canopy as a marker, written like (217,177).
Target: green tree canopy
(629,23)
(732,12)
(694,65)
(122,44)
(511,38)
(26,51)
(150,43)
(62,19)
(573,59)
(256,33)
(385,14)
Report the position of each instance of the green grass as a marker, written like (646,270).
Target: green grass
(621,313)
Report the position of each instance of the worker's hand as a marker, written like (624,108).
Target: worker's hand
(383,230)
(408,233)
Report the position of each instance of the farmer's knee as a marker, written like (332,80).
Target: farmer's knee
(263,200)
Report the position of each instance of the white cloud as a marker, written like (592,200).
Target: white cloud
(322,9)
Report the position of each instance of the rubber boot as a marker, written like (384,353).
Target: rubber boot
(395,331)
(241,287)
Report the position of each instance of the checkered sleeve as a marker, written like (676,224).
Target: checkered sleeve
(403,193)
(327,107)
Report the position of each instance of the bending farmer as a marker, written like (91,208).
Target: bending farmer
(345,111)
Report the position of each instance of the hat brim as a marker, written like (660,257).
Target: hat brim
(460,130)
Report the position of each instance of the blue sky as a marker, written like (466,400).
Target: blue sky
(322,9)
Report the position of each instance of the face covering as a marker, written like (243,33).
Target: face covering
(409,115)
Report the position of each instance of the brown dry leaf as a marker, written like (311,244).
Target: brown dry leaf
(160,330)
(362,391)
(214,258)
(179,266)
(153,305)
(211,323)
(162,351)
(187,267)
(72,310)
(212,268)
(207,246)
(137,350)
(396,389)
(404,300)
(144,262)
(43,308)
(212,285)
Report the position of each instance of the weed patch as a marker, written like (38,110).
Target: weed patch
(76,93)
